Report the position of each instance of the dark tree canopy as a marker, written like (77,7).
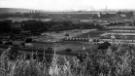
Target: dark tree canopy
(34,26)
(5,26)
(28,40)
(68,50)
(104,45)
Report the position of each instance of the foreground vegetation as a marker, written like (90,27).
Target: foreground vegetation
(117,60)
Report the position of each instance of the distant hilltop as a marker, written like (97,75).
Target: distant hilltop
(22,10)
(13,10)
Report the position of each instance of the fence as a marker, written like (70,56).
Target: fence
(123,31)
(121,27)
(119,41)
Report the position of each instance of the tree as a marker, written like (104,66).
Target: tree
(13,53)
(104,45)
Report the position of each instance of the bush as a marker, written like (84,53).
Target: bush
(68,50)
(9,43)
(28,40)
(104,45)
(1,42)
(13,54)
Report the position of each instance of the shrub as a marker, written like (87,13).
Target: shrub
(68,50)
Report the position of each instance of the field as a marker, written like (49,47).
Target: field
(117,60)
(57,36)
(92,34)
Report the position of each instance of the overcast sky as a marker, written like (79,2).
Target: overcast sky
(67,5)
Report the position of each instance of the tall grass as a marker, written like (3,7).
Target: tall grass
(117,60)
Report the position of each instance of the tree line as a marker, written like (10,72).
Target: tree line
(35,26)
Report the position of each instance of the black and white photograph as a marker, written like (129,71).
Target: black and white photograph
(67,37)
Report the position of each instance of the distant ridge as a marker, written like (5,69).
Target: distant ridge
(22,10)
(14,10)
